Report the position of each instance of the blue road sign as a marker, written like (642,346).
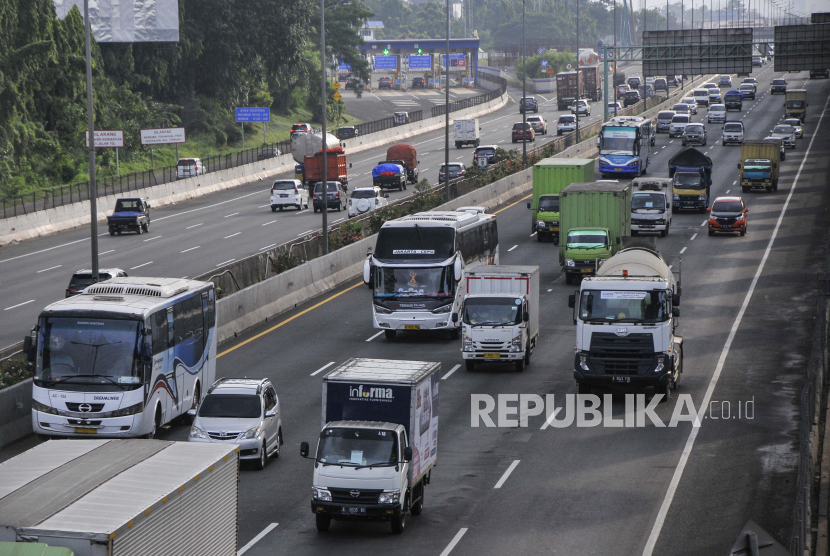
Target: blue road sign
(544,64)
(541,50)
(386,62)
(420,62)
(253,115)
(344,66)
(457,61)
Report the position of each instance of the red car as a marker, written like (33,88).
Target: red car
(728,214)
(523,132)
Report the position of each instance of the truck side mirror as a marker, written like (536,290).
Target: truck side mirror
(455,317)
(572,301)
(528,204)
(457,269)
(526,316)
(367,271)
(407,453)
(675,300)
(304,449)
(675,311)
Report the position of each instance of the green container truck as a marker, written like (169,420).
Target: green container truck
(550,176)
(32,549)
(595,217)
(759,165)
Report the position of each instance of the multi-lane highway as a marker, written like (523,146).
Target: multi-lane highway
(747,316)
(193,237)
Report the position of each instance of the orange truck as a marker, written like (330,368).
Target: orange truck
(407,156)
(336,169)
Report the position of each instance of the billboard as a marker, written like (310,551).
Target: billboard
(128,20)
(697,51)
(802,47)
(163,136)
(420,62)
(253,115)
(386,62)
(106,138)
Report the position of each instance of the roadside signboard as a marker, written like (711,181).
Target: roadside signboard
(386,62)
(457,61)
(344,66)
(420,62)
(106,138)
(541,50)
(336,85)
(245,115)
(550,71)
(544,63)
(163,136)
(336,98)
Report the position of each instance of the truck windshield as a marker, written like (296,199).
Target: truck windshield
(85,350)
(494,311)
(648,201)
(687,180)
(587,240)
(548,204)
(415,243)
(629,306)
(128,205)
(392,282)
(796,104)
(358,447)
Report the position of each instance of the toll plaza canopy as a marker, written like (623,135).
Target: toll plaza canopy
(463,54)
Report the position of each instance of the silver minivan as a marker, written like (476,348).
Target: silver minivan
(189,167)
(664,120)
(678,125)
(701,96)
(288,193)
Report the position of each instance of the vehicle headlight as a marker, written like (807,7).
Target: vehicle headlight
(604,160)
(443,309)
(37,406)
(632,162)
(250,433)
(569,262)
(583,362)
(702,197)
(383,310)
(540,223)
(467,343)
(196,432)
(676,197)
(554,223)
(660,360)
(389,497)
(321,494)
(659,221)
(132,410)
(516,344)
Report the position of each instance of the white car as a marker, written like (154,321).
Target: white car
(717,113)
(701,96)
(796,123)
(785,132)
(614,107)
(240,411)
(583,107)
(566,124)
(189,167)
(692,104)
(366,199)
(289,193)
(678,125)
(733,132)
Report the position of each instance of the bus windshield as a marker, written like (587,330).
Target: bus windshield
(394,282)
(618,140)
(415,243)
(624,306)
(85,350)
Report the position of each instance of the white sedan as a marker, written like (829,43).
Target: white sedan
(583,107)
(366,199)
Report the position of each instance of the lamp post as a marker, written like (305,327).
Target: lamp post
(447,114)
(614,89)
(324,185)
(524,91)
(93,186)
(576,102)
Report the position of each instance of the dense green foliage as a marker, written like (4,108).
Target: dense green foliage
(231,53)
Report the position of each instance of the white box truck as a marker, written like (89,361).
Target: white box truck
(500,318)
(123,497)
(379,441)
(466,132)
(651,206)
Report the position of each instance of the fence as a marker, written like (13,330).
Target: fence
(386,123)
(440,110)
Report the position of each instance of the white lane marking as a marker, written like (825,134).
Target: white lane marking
(235,213)
(50,268)
(702,224)
(449,374)
(139,266)
(224,263)
(304,210)
(105,252)
(267,247)
(19,305)
(269,204)
(550,418)
(533,234)
(693,237)
(550,290)
(304,233)
(194,225)
(323,368)
(507,473)
(191,249)
(338,220)
(727,191)
(454,541)
(375,336)
(734,182)
(151,239)
(271,222)
(684,250)
(44,250)
(184,277)
(509,250)
(256,539)
(236,234)
(210,206)
(690,442)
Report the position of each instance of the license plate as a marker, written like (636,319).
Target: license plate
(646,226)
(492,355)
(283,195)
(352,510)
(554,228)
(620,379)
(86,431)
(412,327)
(586,270)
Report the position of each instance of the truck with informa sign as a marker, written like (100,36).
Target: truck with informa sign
(626,319)
(500,315)
(592,81)
(691,172)
(550,177)
(595,218)
(569,87)
(796,103)
(379,441)
(759,165)
(651,206)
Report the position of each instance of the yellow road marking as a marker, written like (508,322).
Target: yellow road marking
(514,204)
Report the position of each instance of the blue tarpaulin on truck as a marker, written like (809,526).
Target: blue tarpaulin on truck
(386,169)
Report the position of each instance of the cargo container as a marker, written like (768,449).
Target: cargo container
(796,103)
(336,169)
(123,497)
(759,165)
(595,216)
(466,132)
(550,176)
(408,156)
(379,415)
(569,87)
(592,82)
(32,549)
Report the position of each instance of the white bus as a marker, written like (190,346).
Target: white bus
(418,262)
(122,358)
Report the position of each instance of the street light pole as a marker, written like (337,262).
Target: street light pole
(324,186)
(524,90)
(447,114)
(93,186)
(576,102)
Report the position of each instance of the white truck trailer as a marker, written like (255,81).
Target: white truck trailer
(379,441)
(123,497)
(651,205)
(466,132)
(625,320)
(500,319)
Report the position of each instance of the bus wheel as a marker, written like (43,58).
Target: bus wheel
(156,424)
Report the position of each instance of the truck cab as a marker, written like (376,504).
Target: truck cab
(651,208)
(689,190)
(796,103)
(547,218)
(130,215)
(583,247)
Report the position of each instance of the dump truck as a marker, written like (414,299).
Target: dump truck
(336,169)
(691,172)
(569,87)
(550,177)
(595,216)
(796,103)
(592,82)
(407,156)
(759,165)
(390,174)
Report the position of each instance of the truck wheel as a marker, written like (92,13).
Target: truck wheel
(665,390)
(569,279)
(539,237)
(280,208)
(323,521)
(583,388)
(556,240)
(400,187)
(745,189)
(404,186)
(520,365)
(663,233)
(527,354)
(112,232)
(457,145)
(138,230)
(398,522)
(418,507)
(775,185)
(146,227)
(455,333)
(470,365)
(390,334)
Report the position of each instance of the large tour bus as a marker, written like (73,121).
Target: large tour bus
(625,144)
(418,262)
(122,358)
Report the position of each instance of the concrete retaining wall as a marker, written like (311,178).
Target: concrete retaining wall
(44,222)
(15,412)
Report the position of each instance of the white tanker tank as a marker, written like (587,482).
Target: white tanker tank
(309,144)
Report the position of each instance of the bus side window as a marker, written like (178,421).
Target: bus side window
(211,310)
(171,329)
(159,332)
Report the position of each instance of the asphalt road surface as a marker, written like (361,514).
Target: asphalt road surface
(381,103)
(747,311)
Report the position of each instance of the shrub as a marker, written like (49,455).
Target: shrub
(12,372)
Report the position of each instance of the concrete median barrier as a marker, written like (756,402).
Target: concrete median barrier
(15,412)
